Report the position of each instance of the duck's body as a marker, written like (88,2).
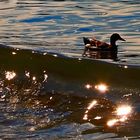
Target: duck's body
(92,44)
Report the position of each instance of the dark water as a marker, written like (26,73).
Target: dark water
(48,91)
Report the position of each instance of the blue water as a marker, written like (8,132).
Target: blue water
(58,26)
(47,88)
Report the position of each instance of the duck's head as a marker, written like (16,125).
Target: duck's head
(114,37)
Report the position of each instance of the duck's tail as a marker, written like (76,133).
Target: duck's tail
(87,44)
(86,40)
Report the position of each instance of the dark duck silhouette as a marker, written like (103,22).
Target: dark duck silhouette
(92,44)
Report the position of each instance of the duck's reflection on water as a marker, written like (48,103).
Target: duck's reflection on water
(101,54)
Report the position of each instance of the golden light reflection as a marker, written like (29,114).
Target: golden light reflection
(27,74)
(14,53)
(32,128)
(123,119)
(34,78)
(125,67)
(10,75)
(45,53)
(122,113)
(123,110)
(88,86)
(45,77)
(55,55)
(101,87)
(85,117)
(91,105)
(112,122)
(79,59)
(97,117)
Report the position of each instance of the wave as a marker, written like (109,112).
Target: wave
(69,69)
(82,90)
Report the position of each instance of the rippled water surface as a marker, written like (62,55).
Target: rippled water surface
(60,25)
(46,95)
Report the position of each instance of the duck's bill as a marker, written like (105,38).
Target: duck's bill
(122,39)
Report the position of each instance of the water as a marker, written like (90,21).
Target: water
(48,91)
(60,25)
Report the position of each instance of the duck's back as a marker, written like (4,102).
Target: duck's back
(101,44)
(98,44)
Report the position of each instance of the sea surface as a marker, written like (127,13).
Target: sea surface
(48,90)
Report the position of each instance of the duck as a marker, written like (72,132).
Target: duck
(92,44)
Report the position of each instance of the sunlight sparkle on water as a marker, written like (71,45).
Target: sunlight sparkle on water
(123,119)
(123,110)
(88,86)
(27,74)
(55,55)
(101,87)
(122,113)
(45,77)
(85,117)
(14,53)
(92,104)
(97,117)
(112,122)
(125,67)
(34,78)
(10,75)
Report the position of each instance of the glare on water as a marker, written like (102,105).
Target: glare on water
(50,108)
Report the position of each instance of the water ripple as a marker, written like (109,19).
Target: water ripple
(37,104)
(67,22)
